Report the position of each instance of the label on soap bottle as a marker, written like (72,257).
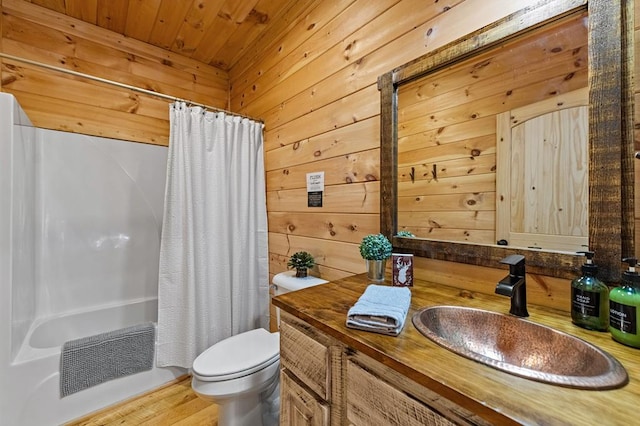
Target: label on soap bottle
(587,303)
(623,317)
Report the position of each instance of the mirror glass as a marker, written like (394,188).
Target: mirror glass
(516,139)
(495,147)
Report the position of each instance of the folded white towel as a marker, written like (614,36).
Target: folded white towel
(381,309)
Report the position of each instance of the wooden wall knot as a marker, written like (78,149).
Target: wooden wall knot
(8,80)
(466,294)
(258,17)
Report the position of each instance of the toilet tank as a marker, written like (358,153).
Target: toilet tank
(284,282)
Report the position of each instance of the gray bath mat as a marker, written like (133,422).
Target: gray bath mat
(96,359)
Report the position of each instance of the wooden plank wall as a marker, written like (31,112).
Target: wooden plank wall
(312,78)
(57,101)
(313,81)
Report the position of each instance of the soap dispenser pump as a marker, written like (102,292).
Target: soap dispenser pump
(590,298)
(624,307)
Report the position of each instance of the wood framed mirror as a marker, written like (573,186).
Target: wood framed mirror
(603,76)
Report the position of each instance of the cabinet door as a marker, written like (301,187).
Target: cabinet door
(305,357)
(298,406)
(371,401)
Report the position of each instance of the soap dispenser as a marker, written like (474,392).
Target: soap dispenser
(624,307)
(590,298)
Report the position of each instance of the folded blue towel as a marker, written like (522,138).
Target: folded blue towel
(381,309)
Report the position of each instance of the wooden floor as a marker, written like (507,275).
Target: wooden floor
(172,404)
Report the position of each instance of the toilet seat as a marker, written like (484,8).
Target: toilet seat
(238,356)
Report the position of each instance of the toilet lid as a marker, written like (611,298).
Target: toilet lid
(238,355)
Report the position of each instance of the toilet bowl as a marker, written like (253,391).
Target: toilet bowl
(241,373)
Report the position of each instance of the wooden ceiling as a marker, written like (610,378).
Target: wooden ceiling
(216,32)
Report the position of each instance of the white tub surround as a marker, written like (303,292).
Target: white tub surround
(80,221)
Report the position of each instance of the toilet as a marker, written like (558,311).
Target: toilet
(241,373)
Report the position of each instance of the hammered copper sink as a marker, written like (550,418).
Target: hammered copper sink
(521,347)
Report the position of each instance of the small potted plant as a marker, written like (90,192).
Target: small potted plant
(375,249)
(405,234)
(301,261)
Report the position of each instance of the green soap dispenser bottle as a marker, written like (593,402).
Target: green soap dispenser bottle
(590,298)
(624,307)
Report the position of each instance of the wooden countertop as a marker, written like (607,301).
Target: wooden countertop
(498,397)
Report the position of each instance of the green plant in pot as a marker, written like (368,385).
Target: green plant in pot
(301,261)
(375,249)
(405,234)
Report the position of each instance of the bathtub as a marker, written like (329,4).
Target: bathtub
(80,222)
(34,397)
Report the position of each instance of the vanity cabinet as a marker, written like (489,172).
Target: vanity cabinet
(336,375)
(310,363)
(325,382)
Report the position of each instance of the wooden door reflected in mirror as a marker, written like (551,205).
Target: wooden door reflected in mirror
(542,178)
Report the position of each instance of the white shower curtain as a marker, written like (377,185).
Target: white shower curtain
(214,278)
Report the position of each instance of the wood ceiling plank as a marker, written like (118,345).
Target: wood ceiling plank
(260,17)
(112,14)
(141,18)
(201,16)
(57,5)
(237,11)
(86,10)
(170,16)
(216,36)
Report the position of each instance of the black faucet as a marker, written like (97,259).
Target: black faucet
(514,285)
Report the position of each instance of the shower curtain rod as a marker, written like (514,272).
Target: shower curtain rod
(123,85)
